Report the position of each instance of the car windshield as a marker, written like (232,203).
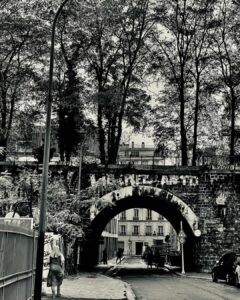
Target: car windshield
(228,258)
(238,259)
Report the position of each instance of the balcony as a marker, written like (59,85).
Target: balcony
(123,219)
(148,233)
(135,218)
(135,233)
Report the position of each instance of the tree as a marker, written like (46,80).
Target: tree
(175,45)
(226,49)
(20,38)
(182,53)
(117,57)
(69,102)
(202,59)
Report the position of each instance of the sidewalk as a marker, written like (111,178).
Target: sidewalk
(89,286)
(194,275)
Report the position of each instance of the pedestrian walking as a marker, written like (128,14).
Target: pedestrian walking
(119,255)
(157,259)
(149,258)
(56,271)
(104,257)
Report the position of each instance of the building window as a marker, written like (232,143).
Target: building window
(148,230)
(136,214)
(160,218)
(135,154)
(122,230)
(149,214)
(160,230)
(221,211)
(123,215)
(135,230)
(126,153)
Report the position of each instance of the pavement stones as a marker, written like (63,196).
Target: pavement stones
(89,286)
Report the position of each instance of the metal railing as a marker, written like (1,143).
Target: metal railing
(17,259)
(155,162)
(148,162)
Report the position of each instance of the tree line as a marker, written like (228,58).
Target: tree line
(107,53)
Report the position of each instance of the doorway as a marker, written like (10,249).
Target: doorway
(139,248)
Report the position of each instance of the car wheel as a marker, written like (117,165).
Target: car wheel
(237,280)
(214,277)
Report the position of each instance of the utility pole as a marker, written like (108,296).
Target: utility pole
(44,187)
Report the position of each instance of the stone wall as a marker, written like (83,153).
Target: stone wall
(216,201)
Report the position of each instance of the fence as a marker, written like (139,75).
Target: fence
(17,259)
(154,162)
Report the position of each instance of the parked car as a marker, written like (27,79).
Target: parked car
(227,268)
(238,273)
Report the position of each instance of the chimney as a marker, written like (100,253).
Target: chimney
(143,145)
(132,144)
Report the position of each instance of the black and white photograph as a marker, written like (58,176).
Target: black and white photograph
(120,149)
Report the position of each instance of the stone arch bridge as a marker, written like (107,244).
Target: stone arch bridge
(206,201)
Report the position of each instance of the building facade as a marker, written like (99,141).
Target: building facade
(140,227)
(109,240)
(147,155)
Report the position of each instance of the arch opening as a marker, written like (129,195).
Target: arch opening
(166,204)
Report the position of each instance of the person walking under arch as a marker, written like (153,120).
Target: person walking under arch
(119,255)
(104,257)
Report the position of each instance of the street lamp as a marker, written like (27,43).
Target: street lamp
(42,218)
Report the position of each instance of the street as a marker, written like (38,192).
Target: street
(168,286)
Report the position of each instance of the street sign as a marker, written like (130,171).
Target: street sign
(197,232)
(181,237)
(181,234)
(182,240)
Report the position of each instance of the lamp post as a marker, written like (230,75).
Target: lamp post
(182,237)
(43,199)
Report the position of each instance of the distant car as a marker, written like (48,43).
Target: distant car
(227,268)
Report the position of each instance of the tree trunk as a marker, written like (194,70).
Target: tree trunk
(195,129)
(232,136)
(101,135)
(3,145)
(182,125)
(112,157)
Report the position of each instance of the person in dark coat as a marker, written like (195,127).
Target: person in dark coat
(157,258)
(105,259)
(149,257)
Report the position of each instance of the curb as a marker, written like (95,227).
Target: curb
(129,292)
(112,273)
(187,275)
(194,277)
